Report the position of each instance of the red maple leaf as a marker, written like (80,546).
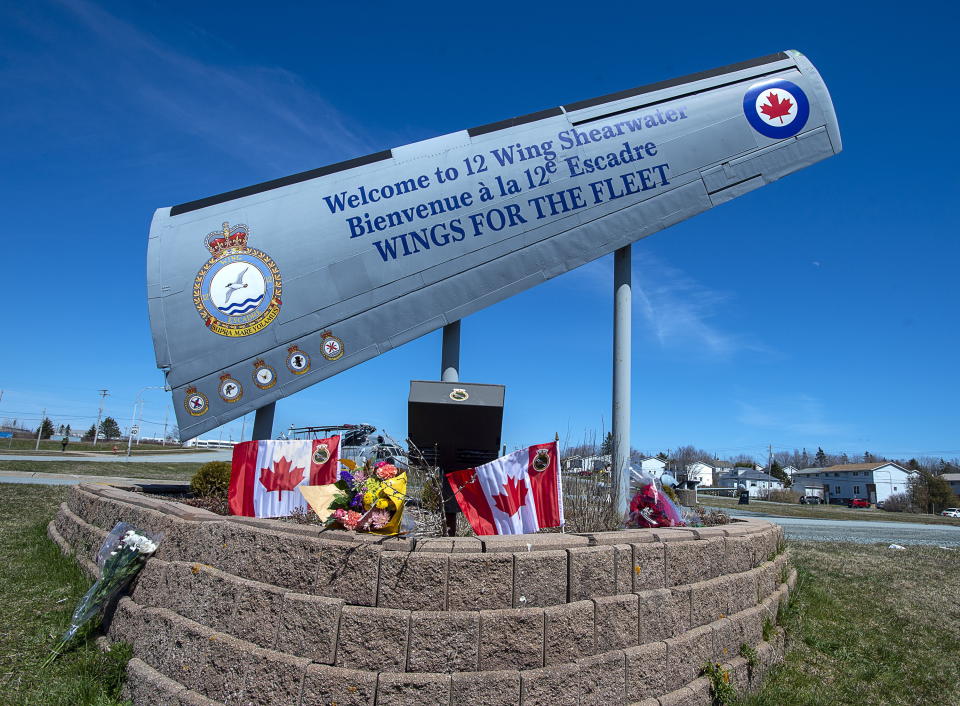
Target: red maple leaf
(776,108)
(282,477)
(515,498)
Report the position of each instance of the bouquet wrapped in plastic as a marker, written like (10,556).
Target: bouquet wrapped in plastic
(651,507)
(122,555)
(367,498)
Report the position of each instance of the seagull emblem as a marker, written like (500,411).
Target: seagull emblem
(235,285)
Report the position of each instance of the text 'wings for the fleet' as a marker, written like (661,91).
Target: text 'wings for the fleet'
(260,292)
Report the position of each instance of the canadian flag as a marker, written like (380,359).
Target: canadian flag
(265,474)
(516,494)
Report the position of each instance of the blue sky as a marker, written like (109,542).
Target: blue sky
(819,310)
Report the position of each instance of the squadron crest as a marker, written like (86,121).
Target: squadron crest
(237,292)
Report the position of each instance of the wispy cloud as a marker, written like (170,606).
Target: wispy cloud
(262,115)
(679,310)
(799,416)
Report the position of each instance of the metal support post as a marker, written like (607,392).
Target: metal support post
(263,422)
(620,461)
(450,356)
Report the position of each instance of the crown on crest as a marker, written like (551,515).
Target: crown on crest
(293,349)
(227,237)
(259,363)
(224,377)
(190,390)
(326,334)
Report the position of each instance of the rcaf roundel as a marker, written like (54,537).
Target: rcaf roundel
(777,108)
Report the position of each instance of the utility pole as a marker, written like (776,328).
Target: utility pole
(43,416)
(769,457)
(96,430)
(163,441)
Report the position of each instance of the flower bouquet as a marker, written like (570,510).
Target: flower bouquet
(369,498)
(122,555)
(652,507)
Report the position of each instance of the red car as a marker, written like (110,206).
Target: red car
(858,502)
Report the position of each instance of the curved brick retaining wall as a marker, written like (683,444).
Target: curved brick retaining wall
(245,611)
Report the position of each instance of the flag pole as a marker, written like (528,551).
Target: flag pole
(620,452)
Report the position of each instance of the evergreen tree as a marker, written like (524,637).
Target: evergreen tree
(821,458)
(868,457)
(844,458)
(45,429)
(776,470)
(109,429)
(804,459)
(606,447)
(66,431)
(89,433)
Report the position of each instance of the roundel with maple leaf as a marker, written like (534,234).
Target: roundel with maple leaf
(776,109)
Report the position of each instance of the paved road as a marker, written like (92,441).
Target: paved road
(863,531)
(199,457)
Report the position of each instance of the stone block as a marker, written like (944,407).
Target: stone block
(679,613)
(681,697)
(687,654)
(752,625)
(552,686)
(149,589)
(256,613)
(150,636)
(273,678)
(224,669)
(592,572)
(646,668)
(627,536)
(348,571)
(145,686)
(702,695)
(737,554)
(623,572)
(286,560)
(412,581)
(308,626)
(739,674)
(568,632)
(413,689)
(358,623)
(792,580)
(673,534)
(443,641)
(521,543)
(187,653)
(204,594)
(692,561)
(649,561)
(708,601)
(743,591)
(602,680)
(499,688)
(727,638)
(654,619)
(324,685)
(123,625)
(192,698)
(617,620)
(540,579)
(511,639)
(766,579)
(480,581)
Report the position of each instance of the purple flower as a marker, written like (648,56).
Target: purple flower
(357,501)
(346,477)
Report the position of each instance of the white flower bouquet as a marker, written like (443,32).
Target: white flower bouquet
(122,555)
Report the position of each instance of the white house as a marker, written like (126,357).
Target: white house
(703,473)
(874,482)
(757,483)
(652,465)
(790,470)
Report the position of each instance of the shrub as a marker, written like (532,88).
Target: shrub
(784,496)
(212,479)
(899,502)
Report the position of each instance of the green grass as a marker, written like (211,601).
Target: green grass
(28,446)
(132,469)
(39,589)
(824,512)
(868,625)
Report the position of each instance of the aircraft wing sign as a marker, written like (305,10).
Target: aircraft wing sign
(260,292)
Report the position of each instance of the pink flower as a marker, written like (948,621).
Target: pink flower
(358,477)
(352,520)
(380,464)
(340,515)
(379,519)
(386,471)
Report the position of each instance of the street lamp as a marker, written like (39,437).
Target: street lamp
(139,401)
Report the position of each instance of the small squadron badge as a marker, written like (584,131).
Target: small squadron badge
(298,362)
(458,394)
(237,291)
(264,376)
(321,454)
(230,390)
(331,346)
(196,403)
(542,460)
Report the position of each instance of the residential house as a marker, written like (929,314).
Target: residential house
(651,464)
(874,481)
(705,473)
(757,483)
(954,480)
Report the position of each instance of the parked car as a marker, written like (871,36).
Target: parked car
(858,502)
(810,500)
(951,512)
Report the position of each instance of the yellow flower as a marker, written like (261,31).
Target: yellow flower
(367,499)
(383,504)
